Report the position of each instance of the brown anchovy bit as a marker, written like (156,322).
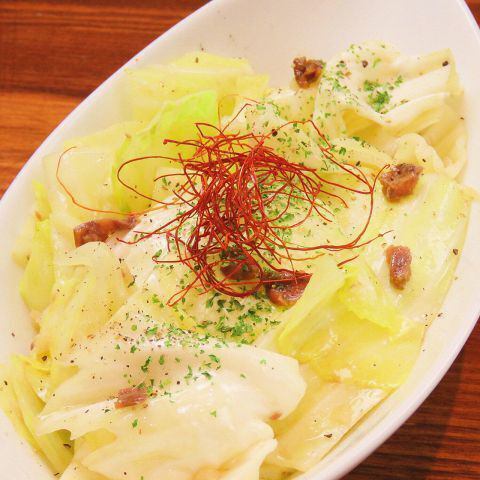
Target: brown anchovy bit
(99,230)
(306,71)
(286,287)
(399,261)
(400,180)
(128,397)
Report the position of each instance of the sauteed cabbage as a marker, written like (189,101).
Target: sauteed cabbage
(123,383)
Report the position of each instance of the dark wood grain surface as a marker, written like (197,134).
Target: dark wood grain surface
(53,53)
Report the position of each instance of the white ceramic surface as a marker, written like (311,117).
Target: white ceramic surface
(270,33)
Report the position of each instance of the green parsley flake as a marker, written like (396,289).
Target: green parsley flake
(151,331)
(214,358)
(144,367)
(378,97)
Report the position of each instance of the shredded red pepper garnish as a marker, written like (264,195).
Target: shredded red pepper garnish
(224,194)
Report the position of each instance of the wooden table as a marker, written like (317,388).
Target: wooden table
(54,52)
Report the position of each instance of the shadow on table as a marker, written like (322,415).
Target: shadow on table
(411,451)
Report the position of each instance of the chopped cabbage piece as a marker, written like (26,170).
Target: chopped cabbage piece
(269,471)
(345,348)
(366,297)
(39,275)
(215,402)
(432,223)
(41,211)
(341,347)
(76,471)
(359,337)
(176,120)
(42,204)
(298,321)
(85,170)
(401,94)
(372,92)
(24,406)
(89,289)
(23,244)
(325,414)
(110,139)
(232,79)
(291,140)
(83,447)
(293,105)
(10,406)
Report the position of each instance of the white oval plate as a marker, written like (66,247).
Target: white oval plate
(270,33)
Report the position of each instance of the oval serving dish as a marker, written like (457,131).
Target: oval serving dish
(270,33)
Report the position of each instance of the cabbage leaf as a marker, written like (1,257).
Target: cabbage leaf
(89,289)
(176,120)
(39,275)
(22,405)
(149,88)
